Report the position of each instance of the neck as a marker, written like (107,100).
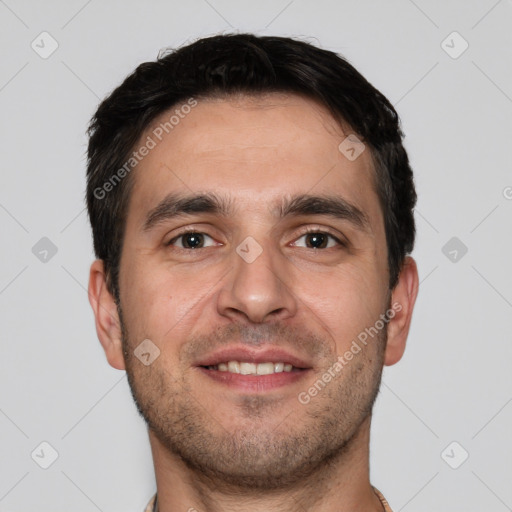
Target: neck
(339,485)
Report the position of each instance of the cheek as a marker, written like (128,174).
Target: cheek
(160,302)
(343,303)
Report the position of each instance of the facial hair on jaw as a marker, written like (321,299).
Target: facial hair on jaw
(253,458)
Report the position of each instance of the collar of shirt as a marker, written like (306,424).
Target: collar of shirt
(152,506)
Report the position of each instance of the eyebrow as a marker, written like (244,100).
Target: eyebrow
(177,205)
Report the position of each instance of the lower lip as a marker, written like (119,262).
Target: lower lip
(255,382)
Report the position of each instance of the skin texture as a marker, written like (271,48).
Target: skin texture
(219,448)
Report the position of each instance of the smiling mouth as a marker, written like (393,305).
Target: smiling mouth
(246,368)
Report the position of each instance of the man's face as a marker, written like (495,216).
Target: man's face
(254,272)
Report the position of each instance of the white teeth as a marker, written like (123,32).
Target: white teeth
(234,367)
(265,368)
(245,368)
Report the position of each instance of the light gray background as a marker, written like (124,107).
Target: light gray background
(454,382)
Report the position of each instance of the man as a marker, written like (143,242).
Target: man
(252,213)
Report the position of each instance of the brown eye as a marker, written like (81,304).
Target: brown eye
(192,240)
(317,240)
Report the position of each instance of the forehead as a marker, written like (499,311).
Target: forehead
(255,147)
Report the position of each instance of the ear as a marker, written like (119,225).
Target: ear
(403,298)
(108,326)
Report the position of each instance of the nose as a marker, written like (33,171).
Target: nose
(257,290)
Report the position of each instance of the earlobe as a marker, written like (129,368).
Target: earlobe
(108,326)
(403,298)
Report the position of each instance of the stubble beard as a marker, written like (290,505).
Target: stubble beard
(257,456)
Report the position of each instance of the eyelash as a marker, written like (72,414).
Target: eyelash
(186,231)
(307,231)
(319,231)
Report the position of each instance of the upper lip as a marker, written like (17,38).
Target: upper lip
(245,354)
